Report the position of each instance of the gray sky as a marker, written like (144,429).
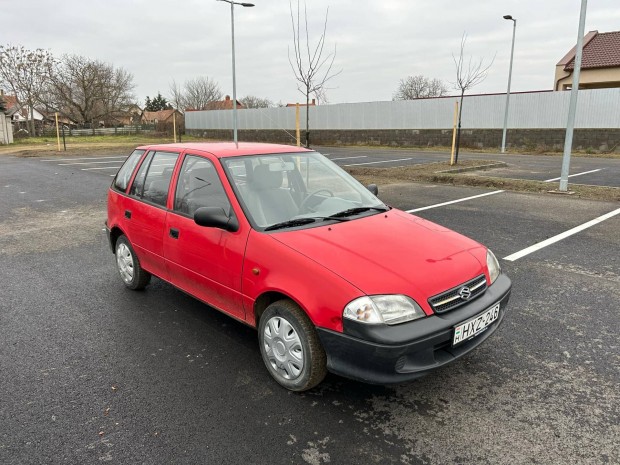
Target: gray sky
(378,42)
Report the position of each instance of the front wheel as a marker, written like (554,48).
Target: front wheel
(290,347)
(129,267)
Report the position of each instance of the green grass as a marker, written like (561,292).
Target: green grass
(104,139)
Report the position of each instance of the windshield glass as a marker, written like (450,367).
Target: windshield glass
(291,189)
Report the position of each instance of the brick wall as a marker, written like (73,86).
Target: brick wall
(517,139)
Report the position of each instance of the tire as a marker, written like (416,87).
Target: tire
(128,265)
(290,347)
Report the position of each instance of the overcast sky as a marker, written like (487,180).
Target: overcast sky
(378,42)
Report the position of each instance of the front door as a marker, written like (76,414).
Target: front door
(206,262)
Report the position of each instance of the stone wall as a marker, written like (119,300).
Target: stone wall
(517,139)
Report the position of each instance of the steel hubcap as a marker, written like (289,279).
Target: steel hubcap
(283,348)
(124,260)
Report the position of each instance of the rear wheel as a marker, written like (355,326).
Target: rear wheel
(129,267)
(290,347)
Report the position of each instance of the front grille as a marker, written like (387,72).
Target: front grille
(451,299)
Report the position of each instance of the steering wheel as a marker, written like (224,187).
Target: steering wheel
(304,203)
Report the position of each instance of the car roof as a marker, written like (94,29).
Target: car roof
(227,149)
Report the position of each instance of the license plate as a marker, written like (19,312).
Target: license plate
(475,325)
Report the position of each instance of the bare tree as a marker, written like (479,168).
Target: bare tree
(196,94)
(468,75)
(26,73)
(251,101)
(86,90)
(321,96)
(311,69)
(419,86)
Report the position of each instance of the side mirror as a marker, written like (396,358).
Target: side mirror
(215,217)
(374,190)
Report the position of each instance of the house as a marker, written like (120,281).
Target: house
(161,116)
(165,120)
(6,128)
(129,116)
(600,64)
(226,104)
(20,114)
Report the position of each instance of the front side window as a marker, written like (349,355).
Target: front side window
(121,181)
(199,185)
(152,181)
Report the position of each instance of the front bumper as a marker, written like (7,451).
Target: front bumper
(383,354)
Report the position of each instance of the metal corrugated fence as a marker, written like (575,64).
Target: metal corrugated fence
(537,110)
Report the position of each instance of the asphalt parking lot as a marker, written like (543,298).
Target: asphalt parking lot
(92,372)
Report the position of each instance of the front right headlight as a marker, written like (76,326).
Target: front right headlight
(493,266)
(388,309)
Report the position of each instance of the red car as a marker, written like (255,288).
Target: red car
(284,240)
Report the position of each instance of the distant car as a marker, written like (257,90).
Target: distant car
(284,240)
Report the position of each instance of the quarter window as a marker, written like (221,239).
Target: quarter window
(199,186)
(121,181)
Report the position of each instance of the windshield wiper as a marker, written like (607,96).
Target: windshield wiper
(356,210)
(290,223)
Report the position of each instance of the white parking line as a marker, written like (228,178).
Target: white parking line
(102,168)
(383,161)
(559,237)
(453,201)
(89,163)
(84,158)
(348,158)
(576,174)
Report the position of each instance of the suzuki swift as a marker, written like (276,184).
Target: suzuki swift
(282,239)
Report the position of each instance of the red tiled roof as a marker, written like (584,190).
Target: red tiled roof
(602,50)
(10,101)
(223,105)
(161,115)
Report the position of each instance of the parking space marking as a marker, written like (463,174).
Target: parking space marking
(559,237)
(89,163)
(348,158)
(84,158)
(576,174)
(101,168)
(453,201)
(382,161)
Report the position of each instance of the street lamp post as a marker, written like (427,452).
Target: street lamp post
(234,77)
(512,51)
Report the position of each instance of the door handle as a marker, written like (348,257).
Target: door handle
(174,233)
(128,214)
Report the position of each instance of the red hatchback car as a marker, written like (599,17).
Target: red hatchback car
(284,240)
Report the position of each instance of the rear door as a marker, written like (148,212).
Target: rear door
(206,262)
(146,209)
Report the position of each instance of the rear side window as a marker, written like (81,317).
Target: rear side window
(121,181)
(152,181)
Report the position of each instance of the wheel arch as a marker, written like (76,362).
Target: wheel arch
(267,298)
(115,233)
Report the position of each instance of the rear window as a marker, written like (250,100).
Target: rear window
(121,181)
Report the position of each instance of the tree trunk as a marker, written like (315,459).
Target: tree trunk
(307,118)
(458,130)
(32,128)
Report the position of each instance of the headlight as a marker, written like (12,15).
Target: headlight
(388,309)
(493,266)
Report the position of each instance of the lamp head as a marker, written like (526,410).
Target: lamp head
(509,17)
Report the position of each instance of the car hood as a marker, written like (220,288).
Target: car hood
(391,253)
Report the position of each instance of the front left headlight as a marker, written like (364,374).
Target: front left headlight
(493,266)
(388,309)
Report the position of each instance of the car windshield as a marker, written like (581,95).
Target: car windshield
(297,189)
